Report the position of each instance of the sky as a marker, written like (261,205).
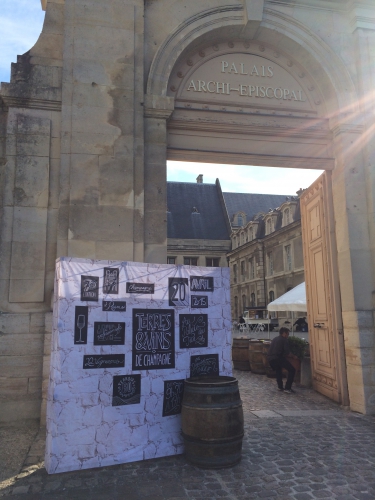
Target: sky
(21,22)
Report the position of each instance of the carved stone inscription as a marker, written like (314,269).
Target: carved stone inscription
(193,330)
(126,390)
(106,333)
(111,280)
(244,79)
(92,361)
(153,339)
(173,393)
(205,364)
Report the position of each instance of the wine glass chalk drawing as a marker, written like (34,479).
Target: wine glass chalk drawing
(81,321)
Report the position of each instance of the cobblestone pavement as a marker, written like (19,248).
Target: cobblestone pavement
(296,447)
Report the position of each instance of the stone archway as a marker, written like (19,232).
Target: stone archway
(204,128)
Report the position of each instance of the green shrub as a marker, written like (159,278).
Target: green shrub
(297,346)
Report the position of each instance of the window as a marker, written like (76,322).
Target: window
(252,300)
(251,234)
(242,239)
(269,226)
(212,261)
(243,270)
(270,263)
(251,268)
(190,261)
(234,273)
(288,258)
(286,216)
(271,298)
(171,260)
(243,303)
(236,307)
(239,220)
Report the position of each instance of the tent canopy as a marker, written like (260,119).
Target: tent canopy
(294,300)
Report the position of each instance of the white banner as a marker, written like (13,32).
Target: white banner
(125,336)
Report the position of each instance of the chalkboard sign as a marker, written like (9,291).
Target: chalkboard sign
(114,306)
(173,393)
(111,280)
(80,324)
(153,339)
(178,292)
(205,364)
(140,288)
(109,333)
(126,390)
(92,361)
(89,288)
(201,283)
(193,330)
(199,302)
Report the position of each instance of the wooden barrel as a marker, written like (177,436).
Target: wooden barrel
(212,421)
(240,354)
(269,371)
(256,357)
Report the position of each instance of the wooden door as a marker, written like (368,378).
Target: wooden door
(322,291)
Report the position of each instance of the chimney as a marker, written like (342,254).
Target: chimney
(200,179)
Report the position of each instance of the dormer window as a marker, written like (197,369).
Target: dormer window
(269,226)
(251,234)
(286,217)
(239,219)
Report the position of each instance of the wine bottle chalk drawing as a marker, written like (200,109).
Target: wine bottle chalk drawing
(80,324)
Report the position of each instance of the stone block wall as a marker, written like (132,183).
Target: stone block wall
(21,345)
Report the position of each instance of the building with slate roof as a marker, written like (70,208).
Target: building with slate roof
(198,225)
(266,257)
(258,235)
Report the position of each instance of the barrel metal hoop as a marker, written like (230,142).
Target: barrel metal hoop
(214,441)
(218,406)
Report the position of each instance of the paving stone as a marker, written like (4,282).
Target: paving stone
(317,451)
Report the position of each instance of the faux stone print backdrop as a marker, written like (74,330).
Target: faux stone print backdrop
(125,336)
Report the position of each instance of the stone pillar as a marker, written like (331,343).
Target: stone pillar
(101,178)
(352,217)
(157,111)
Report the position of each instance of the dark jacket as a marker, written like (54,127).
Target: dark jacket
(279,348)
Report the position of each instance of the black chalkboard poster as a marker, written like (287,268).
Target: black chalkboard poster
(201,283)
(109,333)
(140,288)
(178,292)
(153,339)
(173,393)
(114,305)
(92,361)
(193,330)
(204,364)
(126,390)
(89,288)
(80,324)
(199,302)
(111,280)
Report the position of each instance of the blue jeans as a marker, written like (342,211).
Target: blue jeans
(278,365)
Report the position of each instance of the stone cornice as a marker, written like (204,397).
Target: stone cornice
(23,102)
(158,106)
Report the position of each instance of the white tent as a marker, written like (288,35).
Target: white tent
(294,300)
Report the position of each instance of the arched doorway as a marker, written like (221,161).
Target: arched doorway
(273,101)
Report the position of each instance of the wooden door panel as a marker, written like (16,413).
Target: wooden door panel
(324,308)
